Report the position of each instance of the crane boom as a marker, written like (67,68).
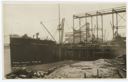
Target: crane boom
(47,30)
(62,27)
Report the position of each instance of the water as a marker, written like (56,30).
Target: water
(7,62)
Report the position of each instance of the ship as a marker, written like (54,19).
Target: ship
(27,51)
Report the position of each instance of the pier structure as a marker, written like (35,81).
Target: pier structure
(98,18)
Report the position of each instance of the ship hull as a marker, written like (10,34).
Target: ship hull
(31,51)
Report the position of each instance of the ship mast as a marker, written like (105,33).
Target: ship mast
(59,29)
(59,32)
(60,26)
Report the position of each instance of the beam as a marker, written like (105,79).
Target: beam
(103,12)
(73,31)
(80,28)
(91,24)
(97,25)
(117,23)
(86,27)
(113,25)
(102,26)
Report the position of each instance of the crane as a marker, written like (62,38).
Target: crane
(47,30)
(61,31)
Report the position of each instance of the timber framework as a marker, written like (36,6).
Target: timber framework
(99,16)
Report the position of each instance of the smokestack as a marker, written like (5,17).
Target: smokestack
(37,34)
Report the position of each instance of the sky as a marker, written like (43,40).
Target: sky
(24,18)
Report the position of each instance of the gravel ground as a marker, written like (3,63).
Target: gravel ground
(86,69)
(69,69)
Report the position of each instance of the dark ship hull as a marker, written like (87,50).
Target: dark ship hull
(28,51)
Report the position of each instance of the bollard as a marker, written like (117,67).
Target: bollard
(85,75)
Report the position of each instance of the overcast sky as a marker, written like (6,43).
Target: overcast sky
(24,18)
